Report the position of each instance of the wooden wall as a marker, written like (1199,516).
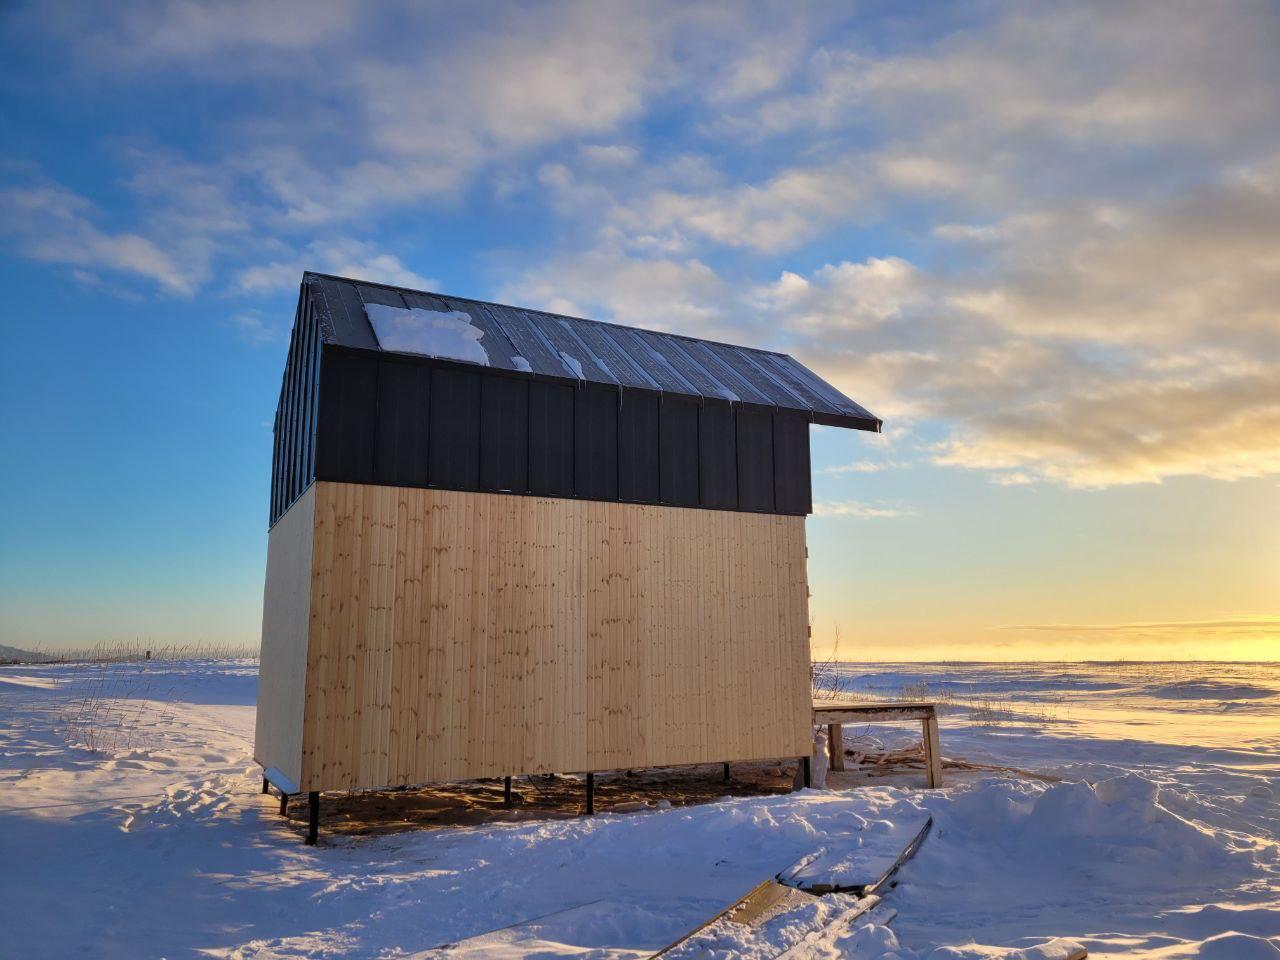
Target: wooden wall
(286,620)
(458,635)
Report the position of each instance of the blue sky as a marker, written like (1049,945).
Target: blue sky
(1038,240)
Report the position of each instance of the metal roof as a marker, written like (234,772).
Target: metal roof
(373,316)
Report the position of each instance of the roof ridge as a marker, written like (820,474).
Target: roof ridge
(548,313)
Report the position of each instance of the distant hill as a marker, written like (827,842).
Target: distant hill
(14,653)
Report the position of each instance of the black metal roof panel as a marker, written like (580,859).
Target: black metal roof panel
(379,317)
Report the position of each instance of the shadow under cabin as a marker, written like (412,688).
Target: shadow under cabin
(506,542)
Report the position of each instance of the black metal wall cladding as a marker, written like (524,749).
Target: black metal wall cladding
(293,460)
(419,422)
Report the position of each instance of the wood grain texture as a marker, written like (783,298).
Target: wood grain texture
(286,614)
(458,635)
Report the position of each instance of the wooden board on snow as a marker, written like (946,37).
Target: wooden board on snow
(862,867)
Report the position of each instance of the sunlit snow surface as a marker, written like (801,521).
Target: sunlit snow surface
(449,334)
(1161,842)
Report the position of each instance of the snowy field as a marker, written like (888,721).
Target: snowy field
(131,826)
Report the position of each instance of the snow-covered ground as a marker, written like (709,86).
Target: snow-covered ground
(131,826)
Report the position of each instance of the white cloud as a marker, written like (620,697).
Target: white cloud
(863,466)
(252,329)
(344,258)
(858,509)
(661,294)
(55,225)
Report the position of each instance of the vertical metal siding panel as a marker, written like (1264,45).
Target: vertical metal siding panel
(286,404)
(306,394)
(293,365)
(300,396)
(678,451)
(792,492)
(453,436)
(755,458)
(313,395)
(638,478)
(273,508)
(348,399)
(717,455)
(404,407)
(595,446)
(504,434)
(551,439)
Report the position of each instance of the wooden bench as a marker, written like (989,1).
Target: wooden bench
(836,713)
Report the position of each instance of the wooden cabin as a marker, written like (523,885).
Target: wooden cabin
(510,542)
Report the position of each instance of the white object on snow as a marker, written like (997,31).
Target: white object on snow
(818,765)
(449,335)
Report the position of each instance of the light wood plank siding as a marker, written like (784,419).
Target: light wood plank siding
(457,635)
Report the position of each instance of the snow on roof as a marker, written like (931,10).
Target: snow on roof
(433,333)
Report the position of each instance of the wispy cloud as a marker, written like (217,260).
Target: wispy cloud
(345,258)
(859,509)
(863,466)
(55,225)
(253,329)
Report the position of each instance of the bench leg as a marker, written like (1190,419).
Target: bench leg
(266,787)
(835,746)
(932,752)
(284,804)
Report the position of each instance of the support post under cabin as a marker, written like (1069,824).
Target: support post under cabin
(313,817)
(835,745)
(726,771)
(932,751)
(808,773)
(591,793)
(506,791)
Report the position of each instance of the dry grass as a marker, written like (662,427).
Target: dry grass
(126,651)
(116,709)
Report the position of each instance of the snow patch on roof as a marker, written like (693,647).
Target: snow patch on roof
(435,333)
(573,364)
(522,364)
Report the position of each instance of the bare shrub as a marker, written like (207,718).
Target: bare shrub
(828,681)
